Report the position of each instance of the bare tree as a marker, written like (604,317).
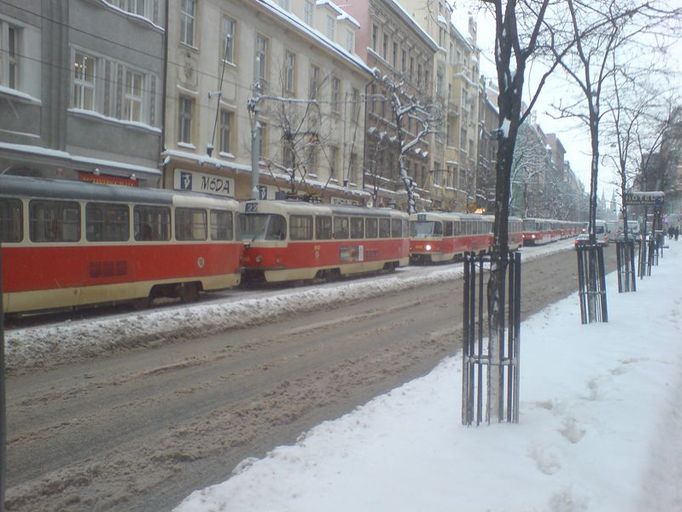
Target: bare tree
(408,108)
(599,31)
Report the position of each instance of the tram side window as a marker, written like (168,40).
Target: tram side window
(384,228)
(371,228)
(54,221)
(151,223)
(106,222)
(396,228)
(11,220)
(448,228)
(190,224)
(340,228)
(357,227)
(300,227)
(323,227)
(456,228)
(222,225)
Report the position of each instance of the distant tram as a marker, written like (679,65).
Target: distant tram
(445,236)
(295,240)
(67,243)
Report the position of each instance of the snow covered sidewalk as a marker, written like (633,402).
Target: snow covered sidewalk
(599,429)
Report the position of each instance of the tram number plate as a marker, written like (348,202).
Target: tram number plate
(421,217)
(251,207)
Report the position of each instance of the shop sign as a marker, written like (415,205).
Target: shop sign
(206,183)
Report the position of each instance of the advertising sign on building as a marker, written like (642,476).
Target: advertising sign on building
(199,182)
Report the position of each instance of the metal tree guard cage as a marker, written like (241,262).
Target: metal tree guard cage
(592,283)
(486,367)
(625,259)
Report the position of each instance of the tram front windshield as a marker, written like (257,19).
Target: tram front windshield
(262,226)
(425,229)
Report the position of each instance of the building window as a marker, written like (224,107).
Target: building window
(395,54)
(385,54)
(313,158)
(375,37)
(356,105)
(354,169)
(309,12)
(185,111)
(187,15)
(350,41)
(333,162)
(439,83)
(419,75)
(403,62)
(314,82)
(9,55)
(287,154)
(290,73)
(84,82)
(336,94)
(331,33)
(132,100)
(226,120)
(229,33)
(261,61)
(134,6)
(262,134)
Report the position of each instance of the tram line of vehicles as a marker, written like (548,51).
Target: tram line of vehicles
(68,244)
(442,236)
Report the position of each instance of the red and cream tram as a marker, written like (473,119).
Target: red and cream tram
(296,240)
(543,231)
(66,243)
(444,236)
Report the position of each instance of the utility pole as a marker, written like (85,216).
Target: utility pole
(252,107)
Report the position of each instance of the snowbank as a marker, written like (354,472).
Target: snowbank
(60,343)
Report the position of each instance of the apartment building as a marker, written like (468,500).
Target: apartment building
(434,17)
(294,62)
(391,41)
(80,89)
(462,128)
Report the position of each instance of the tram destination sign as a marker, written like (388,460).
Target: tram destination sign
(644,198)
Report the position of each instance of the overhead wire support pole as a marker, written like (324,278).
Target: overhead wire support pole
(252,107)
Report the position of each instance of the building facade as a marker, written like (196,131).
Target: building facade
(294,63)
(80,89)
(391,42)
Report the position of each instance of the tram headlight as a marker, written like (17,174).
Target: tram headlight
(428,247)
